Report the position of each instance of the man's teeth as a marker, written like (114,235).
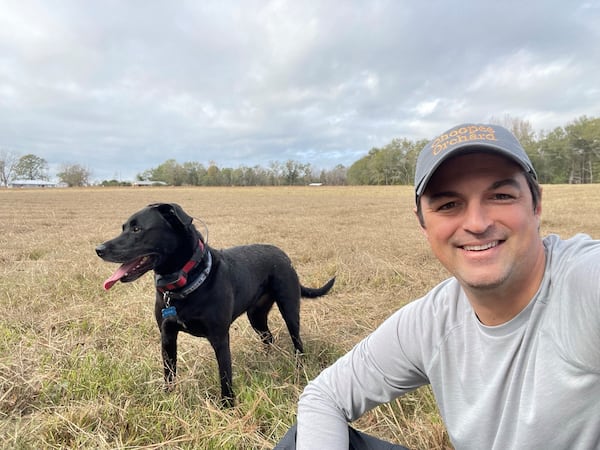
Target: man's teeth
(477,248)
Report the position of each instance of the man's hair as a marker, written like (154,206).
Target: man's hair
(534,188)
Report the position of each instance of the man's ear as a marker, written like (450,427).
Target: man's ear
(538,208)
(420,220)
(537,212)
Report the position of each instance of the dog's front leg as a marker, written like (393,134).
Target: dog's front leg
(168,336)
(220,345)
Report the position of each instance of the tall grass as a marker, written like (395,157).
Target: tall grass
(81,368)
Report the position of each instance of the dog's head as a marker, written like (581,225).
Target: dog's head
(149,238)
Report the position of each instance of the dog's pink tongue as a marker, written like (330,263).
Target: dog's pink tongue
(119,273)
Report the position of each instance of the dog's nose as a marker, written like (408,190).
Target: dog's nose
(100,250)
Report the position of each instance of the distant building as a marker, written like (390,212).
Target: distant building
(149,183)
(31,184)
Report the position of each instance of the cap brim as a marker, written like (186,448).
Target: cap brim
(475,147)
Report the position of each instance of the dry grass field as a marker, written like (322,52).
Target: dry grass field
(81,367)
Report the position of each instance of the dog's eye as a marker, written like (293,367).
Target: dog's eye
(136,229)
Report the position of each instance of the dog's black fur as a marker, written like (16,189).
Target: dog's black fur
(247,278)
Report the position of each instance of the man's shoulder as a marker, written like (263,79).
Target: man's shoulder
(573,300)
(443,306)
(577,252)
(556,243)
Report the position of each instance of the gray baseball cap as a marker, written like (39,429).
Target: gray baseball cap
(468,138)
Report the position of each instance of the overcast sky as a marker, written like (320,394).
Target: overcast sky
(121,86)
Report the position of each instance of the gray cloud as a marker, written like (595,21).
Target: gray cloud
(122,86)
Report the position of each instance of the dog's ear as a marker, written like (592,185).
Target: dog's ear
(174,214)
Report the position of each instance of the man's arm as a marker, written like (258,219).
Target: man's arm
(375,371)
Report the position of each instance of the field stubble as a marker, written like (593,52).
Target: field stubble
(80,367)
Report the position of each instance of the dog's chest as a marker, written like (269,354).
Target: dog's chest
(194,324)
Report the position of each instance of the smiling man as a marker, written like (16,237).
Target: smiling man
(480,220)
(510,344)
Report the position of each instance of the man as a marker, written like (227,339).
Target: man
(510,344)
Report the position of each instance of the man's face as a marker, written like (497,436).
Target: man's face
(479,219)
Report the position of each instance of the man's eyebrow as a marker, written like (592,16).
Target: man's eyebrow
(436,196)
(506,182)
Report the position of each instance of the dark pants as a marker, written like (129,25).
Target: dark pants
(358,441)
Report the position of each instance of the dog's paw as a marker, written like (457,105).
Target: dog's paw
(299,359)
(227,402)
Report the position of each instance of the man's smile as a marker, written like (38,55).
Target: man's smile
(480,247)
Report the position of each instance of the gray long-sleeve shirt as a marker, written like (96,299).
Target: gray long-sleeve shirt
(533,382)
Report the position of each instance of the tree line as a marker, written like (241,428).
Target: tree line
(565,155)
(569,155)
(289,173)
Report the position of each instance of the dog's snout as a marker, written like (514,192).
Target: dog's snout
(101,250)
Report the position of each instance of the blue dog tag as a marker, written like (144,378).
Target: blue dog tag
(168,312)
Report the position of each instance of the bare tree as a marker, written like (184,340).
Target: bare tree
(8,163)
(74,175)
(521,128)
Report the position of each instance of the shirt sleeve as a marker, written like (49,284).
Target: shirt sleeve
(378,369)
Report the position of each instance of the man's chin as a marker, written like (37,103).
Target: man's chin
(483,283)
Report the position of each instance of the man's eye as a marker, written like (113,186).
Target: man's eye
(447,206)
(501,196)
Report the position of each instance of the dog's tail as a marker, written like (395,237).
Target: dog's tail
(316,292)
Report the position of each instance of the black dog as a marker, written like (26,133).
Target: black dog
(200,290)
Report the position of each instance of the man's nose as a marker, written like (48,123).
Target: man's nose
(477,218)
